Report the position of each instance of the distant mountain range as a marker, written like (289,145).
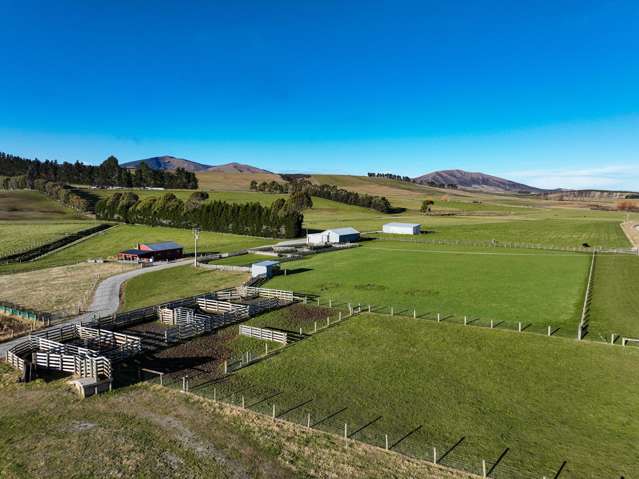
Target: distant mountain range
(476,181)
(170,163)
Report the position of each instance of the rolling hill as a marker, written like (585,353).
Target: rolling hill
(475,181)
(170,163)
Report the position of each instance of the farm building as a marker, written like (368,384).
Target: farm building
(269,268)
(150,252)
(337,235)
(401,228)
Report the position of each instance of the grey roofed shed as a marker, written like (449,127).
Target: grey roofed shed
(268,267)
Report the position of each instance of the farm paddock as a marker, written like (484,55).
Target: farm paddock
(458,389)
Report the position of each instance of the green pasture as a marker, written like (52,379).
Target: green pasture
(472,393)
(24,205)
(17,236)
(124,236)
(529,286)
(614,307)
(175,283)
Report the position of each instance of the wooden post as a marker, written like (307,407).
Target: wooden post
(519,326)
(243,404)
(438,317)
(391,310)
(328,321)
(465,320)
(305,299)
(549,331)
(612,338)
(162,379)
(273,411)
(492,324)
(414,314)
(483,468)
(183,383)
(340,316)
(386,436)
(315,327)
(266,349)
(318,301)
(308,420)
(226,366)
(434,455)
(330,303)
(369,308)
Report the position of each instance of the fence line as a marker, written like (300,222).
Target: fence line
(512,245)
(582,330)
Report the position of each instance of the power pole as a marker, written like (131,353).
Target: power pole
(196,236)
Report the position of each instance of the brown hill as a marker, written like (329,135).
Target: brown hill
(475,181)
(170,163)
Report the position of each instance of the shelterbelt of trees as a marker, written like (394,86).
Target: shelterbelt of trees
(282,219)
(109,173)
(332,192)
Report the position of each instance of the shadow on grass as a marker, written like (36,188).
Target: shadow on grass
(404,437)
(330,416)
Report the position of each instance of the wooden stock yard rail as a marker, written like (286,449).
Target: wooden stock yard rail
(264,334)
(50,352)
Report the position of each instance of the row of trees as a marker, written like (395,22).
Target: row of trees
(57,191)
(627,205)
(435,184)
(391,176)
(332,192)
(269,187)
(281,219)
(109,173)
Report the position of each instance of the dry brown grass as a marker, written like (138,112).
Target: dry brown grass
(155,432)
(58,290)
(221,181)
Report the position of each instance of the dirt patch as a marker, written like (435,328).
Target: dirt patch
(79,426)
(305,315)
(631,229)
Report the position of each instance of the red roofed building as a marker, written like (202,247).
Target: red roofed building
(150,252)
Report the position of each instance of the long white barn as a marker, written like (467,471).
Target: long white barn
(402,228)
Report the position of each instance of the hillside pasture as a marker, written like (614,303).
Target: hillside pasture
(221,181)
(469,392)
(32,205)
(482,284)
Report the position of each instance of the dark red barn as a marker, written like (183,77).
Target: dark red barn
(150,252)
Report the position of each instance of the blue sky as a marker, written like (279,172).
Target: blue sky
(541,92)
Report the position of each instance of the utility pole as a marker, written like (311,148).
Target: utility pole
(196,236)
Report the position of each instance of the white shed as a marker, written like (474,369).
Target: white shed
(268,268)
(337,235)
(402,228)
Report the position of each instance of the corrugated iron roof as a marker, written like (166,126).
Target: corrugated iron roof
(343,231)
(411,225)
(268,262)
(166,245)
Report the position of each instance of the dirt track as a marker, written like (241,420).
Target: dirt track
(631,229)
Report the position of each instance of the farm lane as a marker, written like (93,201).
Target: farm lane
(106,298)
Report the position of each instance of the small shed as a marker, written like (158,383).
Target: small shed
(337,235)
(268,268)
(402,228)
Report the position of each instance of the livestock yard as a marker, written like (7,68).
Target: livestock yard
(451,353)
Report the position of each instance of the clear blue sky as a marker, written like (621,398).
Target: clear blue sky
(542,92)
